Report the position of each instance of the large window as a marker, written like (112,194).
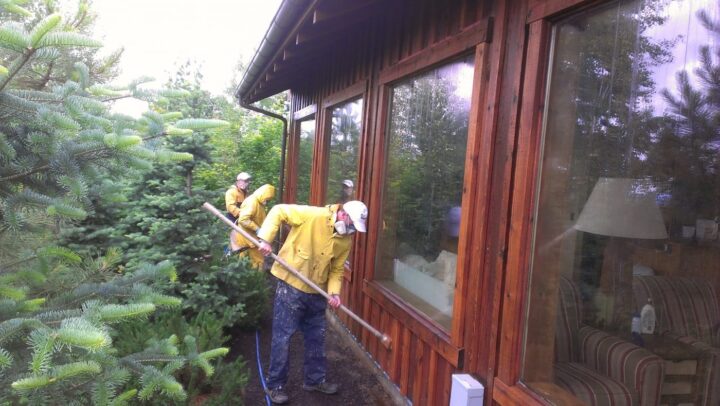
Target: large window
(345,132)
(625,266)
(426,145)
(305,158)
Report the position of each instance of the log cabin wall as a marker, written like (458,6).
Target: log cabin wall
(503,143)
(423,357)
(363,48)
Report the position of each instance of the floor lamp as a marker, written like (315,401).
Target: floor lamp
(622,209)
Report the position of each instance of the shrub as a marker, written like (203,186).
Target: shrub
(231,289)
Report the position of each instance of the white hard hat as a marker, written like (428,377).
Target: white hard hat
(358,214)
(243,176)
(348,183)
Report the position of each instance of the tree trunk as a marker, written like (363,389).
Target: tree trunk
(188,183)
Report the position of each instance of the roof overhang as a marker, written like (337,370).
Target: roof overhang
(299,34)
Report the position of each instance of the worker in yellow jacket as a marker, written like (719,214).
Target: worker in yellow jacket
(317,246)
(236,194)
(234,197)
(251,216)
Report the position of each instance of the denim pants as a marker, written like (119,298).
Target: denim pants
(295,310)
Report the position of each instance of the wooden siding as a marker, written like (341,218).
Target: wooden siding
(509,40)
(391,46)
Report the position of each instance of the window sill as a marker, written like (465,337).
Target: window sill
(422,326)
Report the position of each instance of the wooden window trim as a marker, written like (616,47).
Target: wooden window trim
(547,9)
(463,42)
(508,389)
(355,91)
(305,113)
(445,51)
(429,331)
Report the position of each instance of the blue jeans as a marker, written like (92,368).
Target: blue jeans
(295,310)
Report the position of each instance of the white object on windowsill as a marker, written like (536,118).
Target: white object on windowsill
(647,318)
(429,289)
(642,270)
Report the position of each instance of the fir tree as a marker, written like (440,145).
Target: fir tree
(60,147)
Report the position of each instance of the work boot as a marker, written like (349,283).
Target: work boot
(323,387)
(277,395)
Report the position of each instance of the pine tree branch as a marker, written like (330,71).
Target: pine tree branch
(16,68)
(78,155)
(6,267)
(115,98)
(46,78)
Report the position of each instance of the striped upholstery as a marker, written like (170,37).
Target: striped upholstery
(589,386)
(683,306)
(638,369)
(567,322)
(687,310)
(597,367)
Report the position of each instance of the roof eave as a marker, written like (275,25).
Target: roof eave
(285,21)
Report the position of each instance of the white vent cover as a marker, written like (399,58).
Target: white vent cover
(466,391)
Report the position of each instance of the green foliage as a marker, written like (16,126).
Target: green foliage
(62,347)
(63,155)
(233,290)
(203,334)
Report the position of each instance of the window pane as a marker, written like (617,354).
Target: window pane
(427,141)
(625,268)
(307,145)
(344,150)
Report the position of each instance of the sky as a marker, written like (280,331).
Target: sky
(160,35)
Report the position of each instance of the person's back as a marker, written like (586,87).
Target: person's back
(251,217)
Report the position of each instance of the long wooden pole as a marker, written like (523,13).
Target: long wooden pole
(384,338)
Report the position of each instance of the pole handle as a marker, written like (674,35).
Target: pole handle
(384,338)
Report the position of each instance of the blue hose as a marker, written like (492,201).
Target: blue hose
(260,370)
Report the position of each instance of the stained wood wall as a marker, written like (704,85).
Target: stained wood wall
(424,356)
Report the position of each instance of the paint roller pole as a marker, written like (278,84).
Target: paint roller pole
(384,338)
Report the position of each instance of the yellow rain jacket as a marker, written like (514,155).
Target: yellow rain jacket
(312,247)
(233,199)
(252,214)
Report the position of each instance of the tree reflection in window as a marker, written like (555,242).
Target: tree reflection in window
(633,93)
(426,146)
(305,156)
(345,132)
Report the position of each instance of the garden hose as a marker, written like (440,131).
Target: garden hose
(260,370)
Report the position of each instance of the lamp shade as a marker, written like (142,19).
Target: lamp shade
(621,207)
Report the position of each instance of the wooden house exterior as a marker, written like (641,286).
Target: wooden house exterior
(524,128)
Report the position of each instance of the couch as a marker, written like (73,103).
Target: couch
(687,310)
(599,368)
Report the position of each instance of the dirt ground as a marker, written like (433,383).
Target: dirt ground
(358,384)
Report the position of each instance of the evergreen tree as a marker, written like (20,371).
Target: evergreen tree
(685,156)
(60,147)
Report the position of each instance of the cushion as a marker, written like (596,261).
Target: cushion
(683,306)
(591,387)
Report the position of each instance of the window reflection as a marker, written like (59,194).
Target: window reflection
(427,137)
(345,132)
(305,156)
(626,256)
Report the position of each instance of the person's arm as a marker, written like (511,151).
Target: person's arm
(247,214)
(231,202)
(281,213)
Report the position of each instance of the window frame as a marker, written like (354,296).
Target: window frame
(472,41)
(539,26)
(300,116)
(357,91)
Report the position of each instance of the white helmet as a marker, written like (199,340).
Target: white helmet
(358,213)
